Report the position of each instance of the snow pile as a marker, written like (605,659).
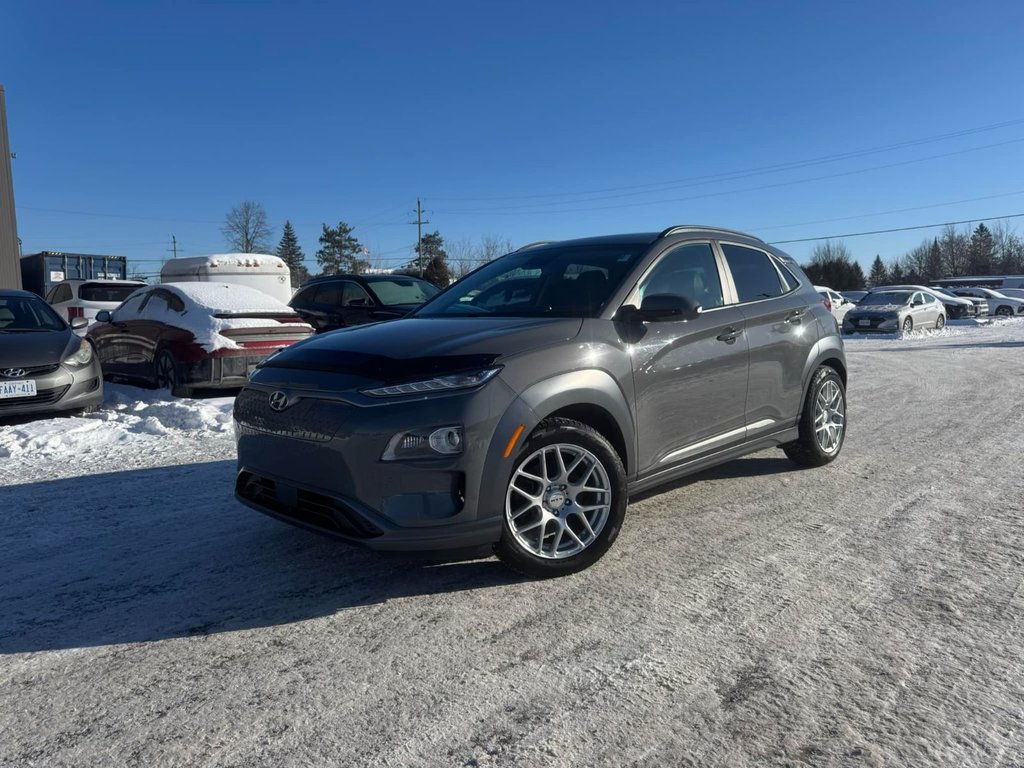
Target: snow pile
(129,415)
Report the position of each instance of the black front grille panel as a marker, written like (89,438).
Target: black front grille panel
(30,371)
(42,397)
(307,419)
(313,509)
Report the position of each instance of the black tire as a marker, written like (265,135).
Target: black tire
(168,376)
(1004,311)
(940,322)
(806,450)
(908,325)
(571,435)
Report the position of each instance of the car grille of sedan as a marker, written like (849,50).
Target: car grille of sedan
(307,419)
(42,397)
(30,371)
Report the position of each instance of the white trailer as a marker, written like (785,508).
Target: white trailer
(268,274)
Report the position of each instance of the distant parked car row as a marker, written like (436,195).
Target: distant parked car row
(889,310)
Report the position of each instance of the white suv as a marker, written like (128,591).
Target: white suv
(998,304)
(84,298)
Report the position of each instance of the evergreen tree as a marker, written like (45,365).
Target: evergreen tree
(432,261)
(288,249)
(879,275)
(340,252)
(980,252)
(897,276)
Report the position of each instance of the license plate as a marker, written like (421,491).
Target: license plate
(865,321)
(23,388)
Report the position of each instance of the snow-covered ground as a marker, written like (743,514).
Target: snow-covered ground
(867,613)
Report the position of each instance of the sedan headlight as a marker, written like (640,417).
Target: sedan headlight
(81,357)
(437,384)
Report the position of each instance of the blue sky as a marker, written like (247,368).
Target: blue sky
(138,121)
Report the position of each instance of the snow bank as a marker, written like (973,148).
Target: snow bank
(129,416)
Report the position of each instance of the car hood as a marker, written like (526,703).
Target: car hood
(874,309)
(423,346)
(28,350)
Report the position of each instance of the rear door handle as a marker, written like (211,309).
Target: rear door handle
(729,335)
(795,317)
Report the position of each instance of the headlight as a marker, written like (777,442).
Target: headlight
(430,443)
(82,356)
(437,384)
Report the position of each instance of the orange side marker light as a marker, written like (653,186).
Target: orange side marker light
(512,442)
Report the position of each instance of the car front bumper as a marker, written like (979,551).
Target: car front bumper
(317,464)
(58,389)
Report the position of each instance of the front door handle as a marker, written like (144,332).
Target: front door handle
(729,335)
(795,317)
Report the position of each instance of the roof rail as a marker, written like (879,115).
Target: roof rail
(533,245)
(697,228)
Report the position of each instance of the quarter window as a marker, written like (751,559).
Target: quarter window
(753,273)
(690,271)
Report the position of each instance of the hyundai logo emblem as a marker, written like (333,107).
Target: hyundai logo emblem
(13,373)
(278,401)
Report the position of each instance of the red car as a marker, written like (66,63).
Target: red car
(182,336)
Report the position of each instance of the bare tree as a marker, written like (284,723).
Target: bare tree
(464,255)
(246,229)
(830,251)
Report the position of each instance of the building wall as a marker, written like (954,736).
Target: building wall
(10,269)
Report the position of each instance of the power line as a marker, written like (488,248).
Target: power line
(897,229)
(743,173)
(887,213)
(517,210)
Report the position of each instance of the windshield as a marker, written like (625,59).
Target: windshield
(571,281)
(27,313)
(887,297)
(402,290)
(106,292)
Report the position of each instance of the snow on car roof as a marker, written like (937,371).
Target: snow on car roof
(227,297)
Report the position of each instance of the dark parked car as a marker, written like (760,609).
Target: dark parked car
(339,301)
(186,335)
(612,365)
(44,365)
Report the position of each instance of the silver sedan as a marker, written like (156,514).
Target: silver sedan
(888,311)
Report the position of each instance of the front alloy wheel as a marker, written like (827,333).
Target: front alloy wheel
(822,421)
(564,502)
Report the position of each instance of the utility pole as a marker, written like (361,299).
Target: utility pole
(419,234)
(174,246)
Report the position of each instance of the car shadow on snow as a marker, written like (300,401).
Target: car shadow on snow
(167,552)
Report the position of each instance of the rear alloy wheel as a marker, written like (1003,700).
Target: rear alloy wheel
(1004,312)
(822,422)
(908,325)
(940,322)
(564,502)
(168,376)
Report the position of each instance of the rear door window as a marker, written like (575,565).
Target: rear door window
(329,293)
(753,273)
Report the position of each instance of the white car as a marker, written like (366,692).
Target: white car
(838,303)
(998,304)
(84,298)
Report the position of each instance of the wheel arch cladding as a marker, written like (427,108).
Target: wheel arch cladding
(591,397)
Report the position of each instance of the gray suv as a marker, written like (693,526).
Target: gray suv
(519,408)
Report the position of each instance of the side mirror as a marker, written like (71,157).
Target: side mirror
(103,316)
(78,322)
(659,307)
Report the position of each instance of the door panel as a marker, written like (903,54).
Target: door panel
(690,388)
